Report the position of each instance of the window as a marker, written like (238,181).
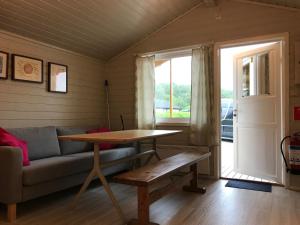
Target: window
(173,89)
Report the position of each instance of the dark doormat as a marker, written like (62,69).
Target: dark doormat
(255,186)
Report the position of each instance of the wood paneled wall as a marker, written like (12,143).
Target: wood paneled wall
(229,21)
(29,104)
(238,20)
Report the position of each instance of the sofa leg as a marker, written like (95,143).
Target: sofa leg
(11,212)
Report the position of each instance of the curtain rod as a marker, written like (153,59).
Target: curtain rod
(173,49)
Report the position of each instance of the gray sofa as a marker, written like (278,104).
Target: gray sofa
(55,165)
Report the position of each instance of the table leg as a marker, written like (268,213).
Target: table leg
(104,182)
(155,149)
(155,153)
(84,186)
(138,162)
(149,159)
(96,171)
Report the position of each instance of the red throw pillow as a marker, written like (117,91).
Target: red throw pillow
(7,139)
(102,146)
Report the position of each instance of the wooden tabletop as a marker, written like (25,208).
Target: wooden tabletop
(123,136)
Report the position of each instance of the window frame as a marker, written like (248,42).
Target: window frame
(169,56)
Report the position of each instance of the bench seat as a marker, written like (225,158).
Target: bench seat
(147,176)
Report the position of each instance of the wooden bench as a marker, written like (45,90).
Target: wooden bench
(150,175)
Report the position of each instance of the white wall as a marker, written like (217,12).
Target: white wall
(29,104)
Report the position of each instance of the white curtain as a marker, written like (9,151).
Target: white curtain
(145,92)
(203,123)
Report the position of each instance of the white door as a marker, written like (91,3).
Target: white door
(257,112)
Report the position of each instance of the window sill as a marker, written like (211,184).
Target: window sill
(174,124)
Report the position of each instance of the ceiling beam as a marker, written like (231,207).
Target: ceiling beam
(210,3)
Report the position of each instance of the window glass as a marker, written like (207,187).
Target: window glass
(162,89)
(229,115)
(256,75)
(248,77)
(181,83)
(173,88)
(223,110)
(263,74)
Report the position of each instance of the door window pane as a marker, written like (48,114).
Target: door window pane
(256,75)
(263,74)
(248,77)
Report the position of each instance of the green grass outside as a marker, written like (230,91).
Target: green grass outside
(174,115)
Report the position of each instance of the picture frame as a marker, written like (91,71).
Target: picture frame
(57,78)
(4,65)
(27,69)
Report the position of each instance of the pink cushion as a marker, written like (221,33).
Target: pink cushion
(102,146)
(7,139)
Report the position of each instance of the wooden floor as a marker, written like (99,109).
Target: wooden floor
(219,206)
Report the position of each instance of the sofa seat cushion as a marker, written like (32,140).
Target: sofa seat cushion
(47,169)
(71,147)
(42,142)
(44,170)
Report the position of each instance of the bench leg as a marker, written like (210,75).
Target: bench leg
(143,208)
(193,187)
(11,212)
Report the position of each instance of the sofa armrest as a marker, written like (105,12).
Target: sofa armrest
(10,175)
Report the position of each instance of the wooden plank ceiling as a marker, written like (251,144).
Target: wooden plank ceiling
(98,28)
(286,3)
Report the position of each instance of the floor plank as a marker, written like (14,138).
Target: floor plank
(219,206)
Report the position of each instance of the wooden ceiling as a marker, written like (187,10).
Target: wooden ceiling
(97,28)
(286,3)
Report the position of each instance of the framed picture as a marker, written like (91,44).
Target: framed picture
(27,69)
(3,65)
(57,78)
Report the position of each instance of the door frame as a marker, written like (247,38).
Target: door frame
(283,38)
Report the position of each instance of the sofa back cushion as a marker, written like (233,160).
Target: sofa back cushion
(42,142)
(7,139)
(71,147)
(102,146)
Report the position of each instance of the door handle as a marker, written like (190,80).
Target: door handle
(235,112)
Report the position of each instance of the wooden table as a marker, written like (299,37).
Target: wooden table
(117,137)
